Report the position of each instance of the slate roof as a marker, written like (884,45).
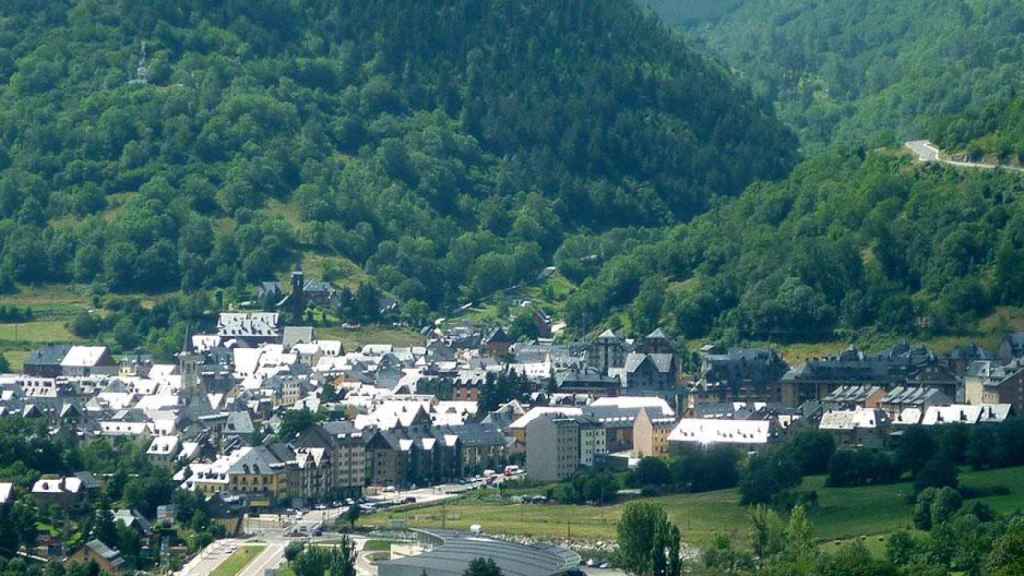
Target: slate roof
(916,395)
(256,460)
(852,394)
(658,334)
(296,334)
(239,423)
(103,551)
(452,558)
(50,355)
(477,434)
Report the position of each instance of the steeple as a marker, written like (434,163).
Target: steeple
(186,346)
(188,363)
(297,298)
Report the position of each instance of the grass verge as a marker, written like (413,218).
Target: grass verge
(238,561)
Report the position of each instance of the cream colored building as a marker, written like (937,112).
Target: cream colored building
(650,435)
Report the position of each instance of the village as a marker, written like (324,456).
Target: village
(278,431)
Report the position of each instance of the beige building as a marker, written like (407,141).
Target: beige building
(650,435)
(249,470)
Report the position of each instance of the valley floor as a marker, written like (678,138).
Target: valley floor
(842,513)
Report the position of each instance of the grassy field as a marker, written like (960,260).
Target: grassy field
(52,307)
(37,331)
(842,513)
(354,338)
(239,560)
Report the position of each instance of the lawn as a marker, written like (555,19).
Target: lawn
(842,513)
(38,331)
(377,546)
(238,561)
(355,338)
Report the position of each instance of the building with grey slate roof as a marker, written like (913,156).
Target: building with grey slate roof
(450,553)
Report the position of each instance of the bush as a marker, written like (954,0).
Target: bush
(293,550)
(861,468)
(947,503)
(939,472)
(813,449)
(716,468)
(85,325)
(650,471)
(923,509)
(769,475)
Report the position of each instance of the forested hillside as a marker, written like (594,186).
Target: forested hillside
(852,240)
(996,131)
(690,12)
(446,147)
(873,71)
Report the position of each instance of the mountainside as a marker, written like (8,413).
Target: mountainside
(996,131)
(851,241)
(871,71)
(445,147)
(690,12)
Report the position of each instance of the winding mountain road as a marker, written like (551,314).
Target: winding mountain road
(928,152)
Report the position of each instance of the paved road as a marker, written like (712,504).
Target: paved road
(272,557)
(429,495)
(210,557)
(928,152)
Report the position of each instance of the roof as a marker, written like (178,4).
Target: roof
(707,431)
(254,460)
(853,394)
(163,445)
(452,558)
(956,413)
(239,423)
(103,551)
(50,355)
(658,334)
(915,395)
(297,334)
(132,518)
(995,413)
(861,418)
(538,411)
(87,356)
(636,402)
(6,492)
(70,485)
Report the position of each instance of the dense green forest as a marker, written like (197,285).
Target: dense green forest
(690,12)
(866,71)
(851,240)
(997,131)
(445,147)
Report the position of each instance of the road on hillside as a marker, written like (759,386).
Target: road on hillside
(928,152)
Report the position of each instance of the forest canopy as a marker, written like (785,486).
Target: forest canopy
(445,147)
(864,71)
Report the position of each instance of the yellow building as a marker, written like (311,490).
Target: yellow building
(650,435)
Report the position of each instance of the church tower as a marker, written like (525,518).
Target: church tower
(297,300)
(188,365)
